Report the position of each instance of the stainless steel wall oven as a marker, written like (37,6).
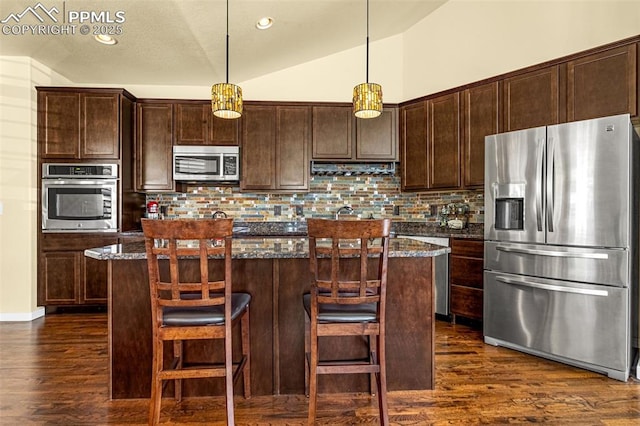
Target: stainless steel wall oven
(80,197)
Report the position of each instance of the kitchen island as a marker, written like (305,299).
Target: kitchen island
(275,271)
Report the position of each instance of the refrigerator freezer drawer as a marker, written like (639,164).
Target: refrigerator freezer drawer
(590,265)
(580,324)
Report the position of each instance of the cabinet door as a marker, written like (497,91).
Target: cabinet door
(376,137)
(414,152)
(531,99)
(480,118)
(332,132)
(603,84)
(154,147)
(94,281)
(258,148)
(292,158)
(100,126)
(223,131)
(444,141)
(192,123)
(59,124)
(60,278)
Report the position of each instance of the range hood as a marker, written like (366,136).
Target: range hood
(352,169)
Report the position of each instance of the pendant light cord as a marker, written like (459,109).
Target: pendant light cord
(367,71)
(228,40)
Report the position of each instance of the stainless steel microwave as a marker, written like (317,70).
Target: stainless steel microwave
(80,197)
(206,163)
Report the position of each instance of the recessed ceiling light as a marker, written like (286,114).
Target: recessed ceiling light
(105,39)
(264,23)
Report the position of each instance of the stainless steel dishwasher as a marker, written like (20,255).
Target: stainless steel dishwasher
(441,264)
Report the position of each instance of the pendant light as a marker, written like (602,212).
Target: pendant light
(226,98)
(367,97)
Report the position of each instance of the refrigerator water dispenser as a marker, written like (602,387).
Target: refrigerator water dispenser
(509,213)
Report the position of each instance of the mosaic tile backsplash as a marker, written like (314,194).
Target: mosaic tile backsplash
(369,195)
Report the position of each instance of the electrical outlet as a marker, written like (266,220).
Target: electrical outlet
(396,210)
(434,209)
(299,211)
(277,210)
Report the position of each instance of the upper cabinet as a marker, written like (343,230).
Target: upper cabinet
(602,84)
(195,124)
(338,135)
(480,118)
(79,124)
(154,146)
(431,144)
(275,148)
(531,99)
(414,153)
(444,141)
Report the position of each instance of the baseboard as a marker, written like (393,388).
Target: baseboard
(22,316)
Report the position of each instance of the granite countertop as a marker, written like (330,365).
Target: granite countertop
(299,228)
(268,248)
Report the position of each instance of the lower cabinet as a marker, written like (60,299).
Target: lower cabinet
(466,270)
(66,276)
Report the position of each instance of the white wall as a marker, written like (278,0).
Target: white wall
(465,41)
(18,185)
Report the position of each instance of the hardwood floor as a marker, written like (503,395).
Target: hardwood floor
(54,371)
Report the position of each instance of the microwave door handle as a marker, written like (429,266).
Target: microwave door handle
(553,287)
(551,182)
(539,187)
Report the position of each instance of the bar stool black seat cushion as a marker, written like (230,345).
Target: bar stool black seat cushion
(204,315)
(329,312)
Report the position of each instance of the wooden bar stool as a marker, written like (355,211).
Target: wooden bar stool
(348,264)
(188,308)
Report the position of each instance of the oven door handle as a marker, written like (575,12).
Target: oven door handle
(552,253)
(552,287)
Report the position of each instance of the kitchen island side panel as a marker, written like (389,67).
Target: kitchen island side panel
(277,328)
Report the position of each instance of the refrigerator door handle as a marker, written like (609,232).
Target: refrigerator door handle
(539,188)
(551,181)
(551,253)
(551,287)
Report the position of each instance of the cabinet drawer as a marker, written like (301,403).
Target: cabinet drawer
(66,242)
(470,248)
(466,271)
(466,302)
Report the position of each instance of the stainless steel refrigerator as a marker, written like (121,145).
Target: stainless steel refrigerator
(561,243)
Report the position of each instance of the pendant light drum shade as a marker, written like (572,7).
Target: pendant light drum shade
(226,100)
(367,100)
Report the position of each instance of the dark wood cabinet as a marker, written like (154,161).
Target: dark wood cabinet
(275,146)
(66,275)
(531,99)
(154,146)
(603,84)
(195,124)
(479,118)
(78,124)
(431,144)
(292,147)
(444,141)
(338,135)
(332,133)
(466,278)
(414,148)
(376,138)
